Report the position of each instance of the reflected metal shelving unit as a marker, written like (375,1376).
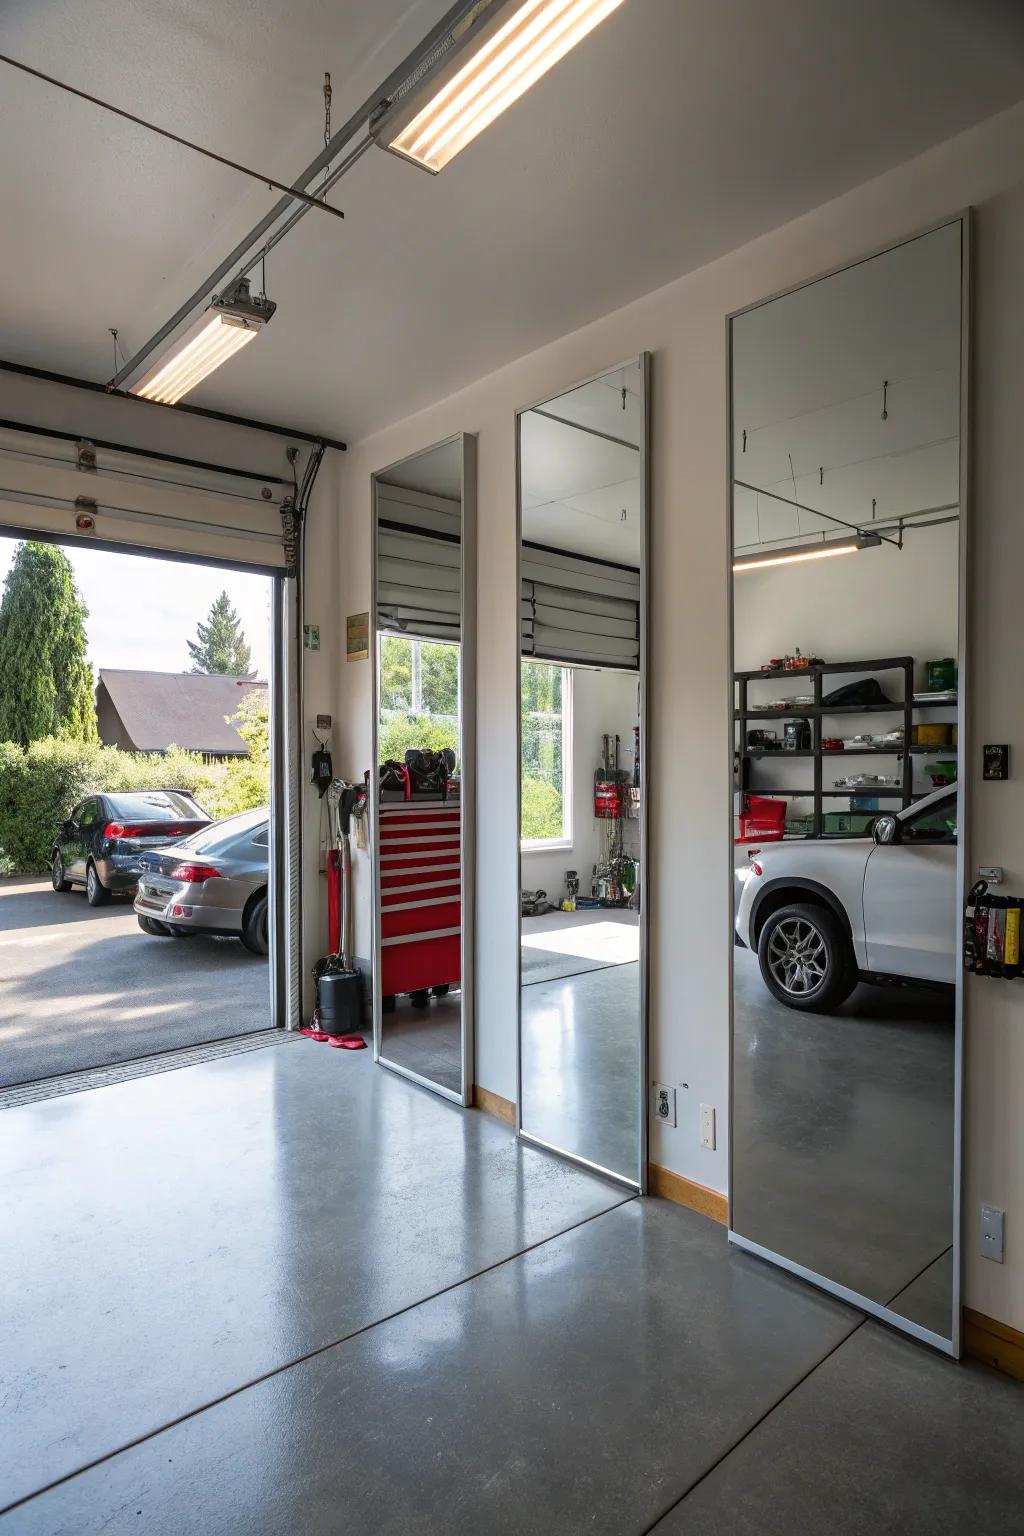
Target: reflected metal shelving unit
(815,713)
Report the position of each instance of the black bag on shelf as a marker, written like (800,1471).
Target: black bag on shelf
(429,772)
(867,691)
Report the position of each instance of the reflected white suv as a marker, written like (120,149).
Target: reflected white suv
(825,913)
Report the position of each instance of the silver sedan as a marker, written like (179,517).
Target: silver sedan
(214,882)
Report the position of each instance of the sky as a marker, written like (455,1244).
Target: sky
(142,611)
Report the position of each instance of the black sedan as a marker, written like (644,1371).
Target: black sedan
(100,843)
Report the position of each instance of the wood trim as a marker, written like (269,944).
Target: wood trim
(996,1343)
(696,1197)
(494,1104)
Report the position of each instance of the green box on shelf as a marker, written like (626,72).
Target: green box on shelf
(853,822)
(799,826)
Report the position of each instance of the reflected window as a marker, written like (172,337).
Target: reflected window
(419,697)
(546,722)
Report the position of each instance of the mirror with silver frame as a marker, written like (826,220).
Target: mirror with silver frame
(848,405)
(422,637)
(582,490)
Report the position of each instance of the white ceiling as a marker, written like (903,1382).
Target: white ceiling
(677,131)
(812,418)
(580,476)
(436,471)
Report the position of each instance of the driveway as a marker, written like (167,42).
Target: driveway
(83,986)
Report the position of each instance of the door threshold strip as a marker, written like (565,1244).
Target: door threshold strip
(142,1066)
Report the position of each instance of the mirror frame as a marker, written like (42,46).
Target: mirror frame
(467,784)
(639,1183)
(951,1345)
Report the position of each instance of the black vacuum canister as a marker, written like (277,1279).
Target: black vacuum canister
(340,1001)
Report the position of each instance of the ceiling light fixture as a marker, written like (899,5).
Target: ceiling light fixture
(796,554)
(230,323)
(507,47)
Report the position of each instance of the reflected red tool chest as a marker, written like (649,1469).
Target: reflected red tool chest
(420,895)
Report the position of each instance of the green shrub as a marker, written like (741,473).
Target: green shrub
(42,783)
(541,810)
(400,732)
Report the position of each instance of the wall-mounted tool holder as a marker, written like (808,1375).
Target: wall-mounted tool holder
(992,933)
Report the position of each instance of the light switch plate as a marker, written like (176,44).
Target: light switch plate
(707,1126)
(992,1222)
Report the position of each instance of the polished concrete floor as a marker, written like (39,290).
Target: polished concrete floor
(843,1139)
(581,1065)
(290,1292)
(84,987)
(427,1040)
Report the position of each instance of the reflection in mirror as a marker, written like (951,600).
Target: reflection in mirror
(581,562)
(421,988)
(846,410)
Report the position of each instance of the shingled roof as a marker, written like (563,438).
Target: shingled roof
(183,709)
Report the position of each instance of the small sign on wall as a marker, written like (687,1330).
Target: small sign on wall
(357,637)
(995,761)
(311,636)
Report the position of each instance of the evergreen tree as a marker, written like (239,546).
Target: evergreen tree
(46,683)
(220,644)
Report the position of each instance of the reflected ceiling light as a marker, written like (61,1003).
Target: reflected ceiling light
(507,47)
(796,554)
(230,323)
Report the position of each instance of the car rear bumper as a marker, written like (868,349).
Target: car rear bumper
(183,907)
(119,872)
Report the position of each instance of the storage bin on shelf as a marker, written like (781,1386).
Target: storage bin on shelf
(762,818)
(420,895)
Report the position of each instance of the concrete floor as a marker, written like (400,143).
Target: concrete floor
(843,1139)
(289,1292)
(426,1040)
(84,987)
(581,1063)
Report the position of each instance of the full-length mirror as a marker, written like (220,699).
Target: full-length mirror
(582,462)
(421,823)
(847,404)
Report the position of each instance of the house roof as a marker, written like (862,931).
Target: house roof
(182,709)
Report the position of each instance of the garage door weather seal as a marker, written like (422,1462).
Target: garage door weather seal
(144,1066)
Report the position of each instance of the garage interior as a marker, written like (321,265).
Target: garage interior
(679,398)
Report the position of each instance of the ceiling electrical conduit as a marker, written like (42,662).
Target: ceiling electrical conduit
(284,208)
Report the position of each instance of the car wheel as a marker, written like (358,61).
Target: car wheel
(57,875)
(255,927)
(806,959)
(154,928)
(96,893)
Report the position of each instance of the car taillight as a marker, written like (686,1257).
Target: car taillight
(755,866)
(119,829)
(195,874)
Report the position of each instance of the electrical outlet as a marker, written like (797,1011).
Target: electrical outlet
(707,1126)
(992,1222)
(664,1104)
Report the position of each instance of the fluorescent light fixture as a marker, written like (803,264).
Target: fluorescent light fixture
(229,324)
(507,47)
(796,554)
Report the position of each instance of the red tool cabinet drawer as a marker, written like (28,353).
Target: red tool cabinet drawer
(411,965)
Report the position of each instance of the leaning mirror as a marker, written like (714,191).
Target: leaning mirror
(421,822)
(847,401)
(582,461)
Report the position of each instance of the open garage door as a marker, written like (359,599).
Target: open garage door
(62,486)
(88,999)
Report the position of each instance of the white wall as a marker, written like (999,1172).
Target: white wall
(880,602)
(602,703)
(684,325)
